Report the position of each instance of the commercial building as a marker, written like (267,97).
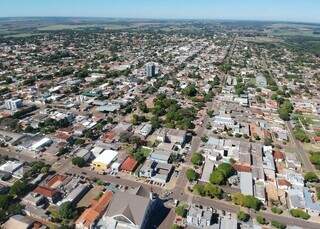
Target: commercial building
(150,70)
(13,104)
(129,211)
(104,160)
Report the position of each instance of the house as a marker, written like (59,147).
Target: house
(33,199)
(84,153)
(129,165)
(171,135)
(199,218)
(246,183)
(144,129)
(296,199)
(18,222)
(156,171)
(176,136)
(52,195)
(104,160)
(37,146)
(259,191)
(207,170)
(90,216)
(129,211)
(14,168)
(312,206)
(76,194)
(162,173)
(160,155)
(228,222)
(147,169)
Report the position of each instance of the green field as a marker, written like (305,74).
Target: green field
(65,27)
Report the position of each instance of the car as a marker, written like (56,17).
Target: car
(84,173)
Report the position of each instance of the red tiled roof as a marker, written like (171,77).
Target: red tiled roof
(284,182)
(56,178)
(317,138)
(278,155)
(90,215)
(45,191)
(242,167)
(129,164)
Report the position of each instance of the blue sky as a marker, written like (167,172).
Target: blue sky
(287,10)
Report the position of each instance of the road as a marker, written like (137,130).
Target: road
(301,153)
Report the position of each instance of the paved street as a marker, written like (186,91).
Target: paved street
(301,153)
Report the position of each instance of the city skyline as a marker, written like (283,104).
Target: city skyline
(265,10)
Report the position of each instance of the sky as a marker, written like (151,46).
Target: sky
(283,10)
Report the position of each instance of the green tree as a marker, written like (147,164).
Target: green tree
(192,175)
(252,202)
(197,159)
(276,210)
(311,177)
(242,216)
(261,220)
(190,90)
(217,177)
(298,213)
(66,210)
(143,107)
(226,169)
(199,189)
(238,198)
(19,188)
(213,191)
(315,158)
(181,210)
(78,161)
(175,226)
(5,201)
(278,225)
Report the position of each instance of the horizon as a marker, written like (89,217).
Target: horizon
(247,10)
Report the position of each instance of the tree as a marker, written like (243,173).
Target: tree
(66,210)
(190,90)
(197,159)
(276,210)
(278,225)
(199,189)
(261,220)
(213,191)
(192,175)
(175,226)
(246,201)
(311,177)
(285,110)
(181,210)
(238,198)
(143,107)
(217,177)
(226,169)
(19,188)
(315,158)
(155,122)
(242,216)
(301,135)
(78,161)
(252,202)
(5,201)
(298,213)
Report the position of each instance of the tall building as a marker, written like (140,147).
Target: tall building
(11,104)
(150,69)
